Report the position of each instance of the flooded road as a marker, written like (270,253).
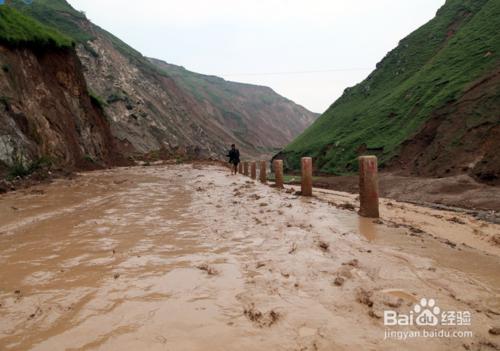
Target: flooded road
(189,258)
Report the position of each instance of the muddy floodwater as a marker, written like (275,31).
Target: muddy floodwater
(188,257)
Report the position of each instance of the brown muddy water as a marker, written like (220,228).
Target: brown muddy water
(190,258)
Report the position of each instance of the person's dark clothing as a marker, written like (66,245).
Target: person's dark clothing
(234,156)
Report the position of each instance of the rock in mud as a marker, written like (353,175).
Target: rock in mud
(260,319)
(496,239)
(4,186)
(352,263)
(347,206)
(209,269)
(339,281)
(324,246)
(456,220)
(364,297)
(494,331)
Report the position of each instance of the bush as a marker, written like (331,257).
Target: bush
(89,158)
(97,100)
(20,169)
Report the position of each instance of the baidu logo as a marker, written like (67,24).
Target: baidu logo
(427,313)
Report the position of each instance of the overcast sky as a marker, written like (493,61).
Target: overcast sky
(308,51)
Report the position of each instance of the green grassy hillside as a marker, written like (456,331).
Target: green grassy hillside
(18,29)
(431,68)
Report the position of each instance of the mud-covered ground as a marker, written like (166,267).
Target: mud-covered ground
(461,191)
(189,257)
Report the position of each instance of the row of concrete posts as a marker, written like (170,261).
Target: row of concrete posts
(368,180)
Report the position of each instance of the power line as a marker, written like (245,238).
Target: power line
(296,72)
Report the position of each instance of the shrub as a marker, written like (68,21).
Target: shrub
(21,169)
(97,100)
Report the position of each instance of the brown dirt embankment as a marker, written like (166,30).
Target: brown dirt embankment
(461,191)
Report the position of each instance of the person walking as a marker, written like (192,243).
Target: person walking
(234,158)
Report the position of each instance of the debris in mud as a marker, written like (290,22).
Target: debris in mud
(289,191)
(352,263)
(255,197)
(260,319)
(450,243)
(209,269)
(364,297)
(116,276)
(339,281)
(324,246)
(415,231)
(200,189)
(260,265)
(263,204)
(14,208)
(494,331)
(496,239)
(293,249)
(378,221)
(455,220)
(489,345)
(347,206)
(375,314)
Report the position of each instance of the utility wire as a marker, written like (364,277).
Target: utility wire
(296,72)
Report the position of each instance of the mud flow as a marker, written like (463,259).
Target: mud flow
(190,258)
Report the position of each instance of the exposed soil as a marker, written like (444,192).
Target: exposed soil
(186,257)
(454,141)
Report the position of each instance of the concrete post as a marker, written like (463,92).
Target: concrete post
(278,173)
(306,165)
(240,168)
(263,172)
(245,168)
(368,187)
(253,170)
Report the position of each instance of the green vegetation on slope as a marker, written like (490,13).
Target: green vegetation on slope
(62,16)
(18,29)
(57,14)
(430,68)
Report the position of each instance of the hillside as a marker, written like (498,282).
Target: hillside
(431,107)
(244,108)
(154,108)
(46,112)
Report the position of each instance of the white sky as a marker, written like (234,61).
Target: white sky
(278,43)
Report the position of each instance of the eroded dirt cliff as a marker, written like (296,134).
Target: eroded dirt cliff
(47,112)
